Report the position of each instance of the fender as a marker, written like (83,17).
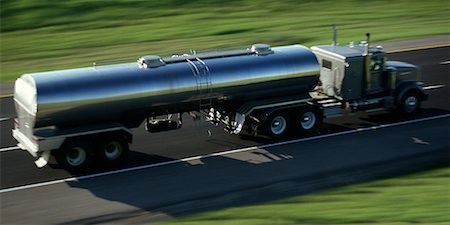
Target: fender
(407,86)
(50,139)
(266,112)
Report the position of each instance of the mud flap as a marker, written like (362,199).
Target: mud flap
(43,160)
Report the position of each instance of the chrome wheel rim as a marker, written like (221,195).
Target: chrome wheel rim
(410,104)
(278,125)
(308,120)
(76,156)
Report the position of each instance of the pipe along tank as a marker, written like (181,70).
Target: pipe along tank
(130,92)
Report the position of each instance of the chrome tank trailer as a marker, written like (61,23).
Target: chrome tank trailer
(130,92)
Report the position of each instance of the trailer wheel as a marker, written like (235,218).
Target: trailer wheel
(74,155)
(277,125)
(410,103)
(113,150)
(308,120)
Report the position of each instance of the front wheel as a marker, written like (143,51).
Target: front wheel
(410,103)
(75,155)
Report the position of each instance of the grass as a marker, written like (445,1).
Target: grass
(47,35)
(422,198)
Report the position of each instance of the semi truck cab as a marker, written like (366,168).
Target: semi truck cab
(361,77)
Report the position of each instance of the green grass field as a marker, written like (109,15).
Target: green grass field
(42,35)
(422,198)
(47,35)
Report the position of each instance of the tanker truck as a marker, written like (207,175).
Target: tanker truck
(86,115)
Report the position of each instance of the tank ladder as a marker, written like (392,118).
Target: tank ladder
(203,80)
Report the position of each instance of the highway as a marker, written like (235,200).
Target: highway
(185,171)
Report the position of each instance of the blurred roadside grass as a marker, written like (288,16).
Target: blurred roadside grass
(47,35)
(421,198)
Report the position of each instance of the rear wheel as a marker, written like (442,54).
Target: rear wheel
(277,125)
(113,150)
(75,155)
(308,120)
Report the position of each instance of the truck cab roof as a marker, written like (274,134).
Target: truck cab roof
(346,51)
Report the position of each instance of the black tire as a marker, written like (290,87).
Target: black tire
(112,150)
(74,155)
(277,125)
(308,120)
(410,103)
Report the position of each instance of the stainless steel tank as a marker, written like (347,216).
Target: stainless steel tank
(127,93)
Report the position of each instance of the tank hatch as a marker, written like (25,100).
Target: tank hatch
(150,61)
(261,49)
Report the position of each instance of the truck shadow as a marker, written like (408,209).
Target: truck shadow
(257,175)
(202,186)
(134,159)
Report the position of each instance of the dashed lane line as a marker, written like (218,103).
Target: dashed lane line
(77,179)
(6,95)
(12,148)
(420,48)
(431,87)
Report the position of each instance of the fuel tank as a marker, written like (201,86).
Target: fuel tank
(152,86)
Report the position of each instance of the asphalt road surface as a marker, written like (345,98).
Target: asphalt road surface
(155,184)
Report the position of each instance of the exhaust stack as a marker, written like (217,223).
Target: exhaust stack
(367,44)
(334,42)
(367,59)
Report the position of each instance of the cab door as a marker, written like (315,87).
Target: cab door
(377,75)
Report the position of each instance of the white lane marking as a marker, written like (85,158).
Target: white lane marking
(431,87)
(445,62)
(6,95)
(76,179)
(4,119)
(9,149)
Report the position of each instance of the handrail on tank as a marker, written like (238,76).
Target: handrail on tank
(259,49)
(203,54)
(206,56)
